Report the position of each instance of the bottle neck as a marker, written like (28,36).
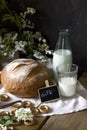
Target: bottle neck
(63,41)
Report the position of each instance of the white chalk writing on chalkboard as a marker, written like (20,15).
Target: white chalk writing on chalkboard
(48,93)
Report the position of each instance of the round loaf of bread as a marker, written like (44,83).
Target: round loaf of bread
(23,77)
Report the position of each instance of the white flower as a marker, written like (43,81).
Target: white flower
(15,36)
(2,127)
(50,52)
(44,40)
(38,55)
(2,46)
(39,39)
(5,54)
(24,114)
(20,46)
(12,53)
(31,10)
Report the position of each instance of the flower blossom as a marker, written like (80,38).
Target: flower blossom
(24,114)
(2,127)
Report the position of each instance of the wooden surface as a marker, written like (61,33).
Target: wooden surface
(73,121)
(39,122)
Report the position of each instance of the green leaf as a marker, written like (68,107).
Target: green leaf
(6,117)
(13,117)
(8,122)
(7,17)
(17,20)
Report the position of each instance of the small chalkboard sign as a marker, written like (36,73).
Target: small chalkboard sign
(48,93)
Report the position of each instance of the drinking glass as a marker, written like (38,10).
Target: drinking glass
(67,79)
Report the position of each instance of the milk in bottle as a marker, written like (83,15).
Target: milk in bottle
(62,53)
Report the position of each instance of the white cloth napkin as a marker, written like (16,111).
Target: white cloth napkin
(60,106)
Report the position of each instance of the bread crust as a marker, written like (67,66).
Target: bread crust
(23,77)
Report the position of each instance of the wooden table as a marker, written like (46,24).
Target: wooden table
(73,121)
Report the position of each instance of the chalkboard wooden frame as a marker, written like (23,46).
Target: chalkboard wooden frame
(48,93)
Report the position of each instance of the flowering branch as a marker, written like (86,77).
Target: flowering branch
(25,39)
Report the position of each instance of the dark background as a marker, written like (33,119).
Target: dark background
(53,15)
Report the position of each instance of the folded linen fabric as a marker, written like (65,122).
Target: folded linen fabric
(61,106)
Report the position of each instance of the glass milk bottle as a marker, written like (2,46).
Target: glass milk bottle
(62,53)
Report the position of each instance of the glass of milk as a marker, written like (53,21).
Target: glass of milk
(67,79)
